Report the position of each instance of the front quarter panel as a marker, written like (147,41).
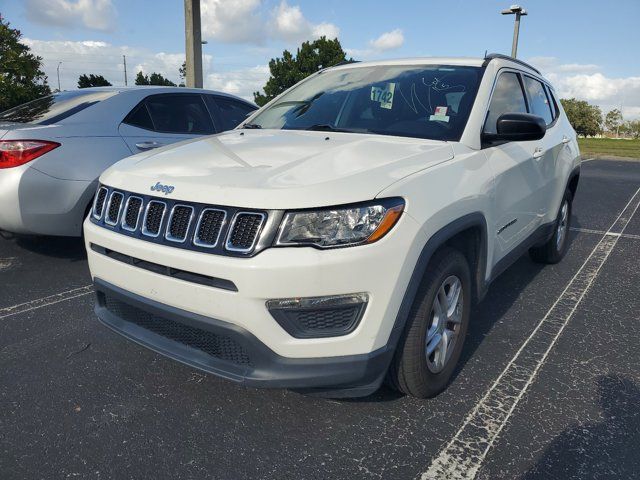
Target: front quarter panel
(438,196)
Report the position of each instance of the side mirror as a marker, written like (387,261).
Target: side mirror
(516,127)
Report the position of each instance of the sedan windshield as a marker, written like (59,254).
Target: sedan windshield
(54,108)
(426,101)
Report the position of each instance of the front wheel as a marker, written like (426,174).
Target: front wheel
(436,328)
(555,248)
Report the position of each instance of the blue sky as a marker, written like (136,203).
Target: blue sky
(587,48)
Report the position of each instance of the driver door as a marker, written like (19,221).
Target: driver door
(518,181)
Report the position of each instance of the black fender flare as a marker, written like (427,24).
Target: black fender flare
(437,240)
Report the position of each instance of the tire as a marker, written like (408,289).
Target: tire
(413,371)
(556,247)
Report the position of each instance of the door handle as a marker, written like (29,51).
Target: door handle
(565,139)
(148,145)
(538,153)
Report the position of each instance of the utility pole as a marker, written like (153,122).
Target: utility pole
(58,71)
(193,37)
(518,11)
(124,60)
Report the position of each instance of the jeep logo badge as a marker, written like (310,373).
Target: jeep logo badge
(166,189)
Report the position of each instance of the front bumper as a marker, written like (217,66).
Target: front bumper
(381,271)
(230,351)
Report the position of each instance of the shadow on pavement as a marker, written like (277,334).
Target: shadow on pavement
(70,248)
(606,449)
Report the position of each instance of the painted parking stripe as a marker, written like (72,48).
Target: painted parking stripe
(45,301)
(462,457)
(602,232)
(7,263)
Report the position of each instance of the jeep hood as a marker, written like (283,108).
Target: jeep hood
(278,169)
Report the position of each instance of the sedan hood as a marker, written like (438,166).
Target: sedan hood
(278,169)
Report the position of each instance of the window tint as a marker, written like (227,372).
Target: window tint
(232,112)
(538,99)
(507,98)
(179,113)
(54,108)
(139,117)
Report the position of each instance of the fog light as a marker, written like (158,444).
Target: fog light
(317,317)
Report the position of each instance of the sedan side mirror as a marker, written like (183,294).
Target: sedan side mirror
(516,127)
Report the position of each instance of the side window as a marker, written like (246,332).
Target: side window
(232,112)
(538,99)
(508,97)
(139,117)
(181,113)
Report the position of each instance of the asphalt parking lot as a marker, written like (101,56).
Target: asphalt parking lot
(548,387)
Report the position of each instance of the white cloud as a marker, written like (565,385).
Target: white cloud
(104,59)
(242,82)
(388,40)
(91,14)
(385,42)
(232,21)
(587,82)
(290,24)
(245,21)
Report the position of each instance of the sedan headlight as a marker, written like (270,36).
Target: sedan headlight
(340,226)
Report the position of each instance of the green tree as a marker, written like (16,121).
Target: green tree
(91,80)
(289,69)
(613,120)
(182,72)
(153,79)
(632,127)
(585,118)
(21,75)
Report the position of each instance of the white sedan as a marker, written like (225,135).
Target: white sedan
(53,149)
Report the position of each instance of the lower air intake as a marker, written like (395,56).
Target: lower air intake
(218,346)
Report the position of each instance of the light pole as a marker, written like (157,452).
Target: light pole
(193,37)
(58,71)
(518,11)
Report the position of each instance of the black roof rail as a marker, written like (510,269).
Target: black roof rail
(492,56)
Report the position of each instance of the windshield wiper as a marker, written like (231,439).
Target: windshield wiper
(326,127)
(251,126)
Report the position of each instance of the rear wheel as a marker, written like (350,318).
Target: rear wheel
(437,325)
(555,248)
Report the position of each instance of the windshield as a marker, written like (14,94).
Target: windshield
(53,108)
(426,101)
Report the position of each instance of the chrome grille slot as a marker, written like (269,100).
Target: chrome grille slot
(209,227)
(179,222)
(244,231)
(98,205)
(132,210)
(153,216)
(114,208)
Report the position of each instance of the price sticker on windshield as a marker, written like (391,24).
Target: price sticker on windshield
(383,95)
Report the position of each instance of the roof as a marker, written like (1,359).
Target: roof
(159,89)
(461,61)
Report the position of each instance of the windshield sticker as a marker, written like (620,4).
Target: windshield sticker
(440,115)
(384,96)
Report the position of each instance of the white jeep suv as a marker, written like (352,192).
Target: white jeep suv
(339,236)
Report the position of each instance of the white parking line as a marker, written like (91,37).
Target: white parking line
(463,456)
(7,263)
(45,301)
(602,232)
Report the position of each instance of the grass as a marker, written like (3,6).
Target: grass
(609,147)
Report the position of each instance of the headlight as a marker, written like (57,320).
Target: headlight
(340,226)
